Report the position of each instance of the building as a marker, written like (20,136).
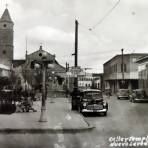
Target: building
(97,81)
(85,80)
(90,80)
(6,49)
(33,77)
(143,73)
(6,39)
(115,78)
(23,73)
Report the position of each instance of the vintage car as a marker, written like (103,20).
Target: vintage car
(91,100)
(123,93)
(138,95)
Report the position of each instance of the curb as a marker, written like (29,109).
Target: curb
(46,130)
(87,122)
(35,130)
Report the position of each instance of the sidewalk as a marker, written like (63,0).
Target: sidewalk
(59,115)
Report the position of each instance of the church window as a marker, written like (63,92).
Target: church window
(40,54)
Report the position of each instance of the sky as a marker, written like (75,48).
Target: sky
(52,24)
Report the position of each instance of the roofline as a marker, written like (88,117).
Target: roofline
(39,50)
(142,54)
(2,19)
(141,59)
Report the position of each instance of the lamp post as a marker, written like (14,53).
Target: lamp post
(122,66)
(43,116)
(44,63)
(52,79)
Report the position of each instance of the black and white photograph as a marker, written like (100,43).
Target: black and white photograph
(73,74)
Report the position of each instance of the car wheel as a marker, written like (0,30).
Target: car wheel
(73,107)
(107,106)
(105,113)
(79,110)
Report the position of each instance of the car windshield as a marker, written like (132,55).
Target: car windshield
(140,93)
(92,95)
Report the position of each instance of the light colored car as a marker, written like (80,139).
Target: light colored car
(92,102)
(123,93)
(138,95)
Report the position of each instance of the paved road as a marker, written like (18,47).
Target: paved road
(124,119)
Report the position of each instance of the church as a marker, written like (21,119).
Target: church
(22,68)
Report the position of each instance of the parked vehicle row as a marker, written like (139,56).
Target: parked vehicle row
(137,95)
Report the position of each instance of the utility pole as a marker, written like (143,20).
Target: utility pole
(76,43)
(122,67)
(76,53)
(75,94)
(26,68)
(67,67)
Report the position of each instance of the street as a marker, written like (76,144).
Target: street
(68,58)
(124,119)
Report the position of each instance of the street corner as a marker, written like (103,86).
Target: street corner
(79,122)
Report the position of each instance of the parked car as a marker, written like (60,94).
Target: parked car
(138,95)
(91,100)
(123,93)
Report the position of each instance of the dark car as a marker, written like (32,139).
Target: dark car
(138,95)
(123,93)
(91,101)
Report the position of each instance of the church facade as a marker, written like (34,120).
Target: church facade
(55,77)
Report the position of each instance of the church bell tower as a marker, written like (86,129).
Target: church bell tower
(6,39)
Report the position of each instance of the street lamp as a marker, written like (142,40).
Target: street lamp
(123,81)
(53,80)
(44,64)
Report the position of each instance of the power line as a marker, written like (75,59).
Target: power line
(107,14)
(102,19)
